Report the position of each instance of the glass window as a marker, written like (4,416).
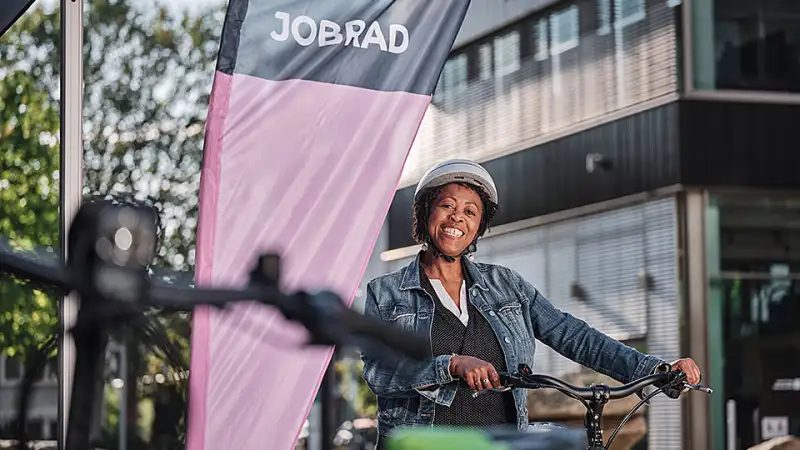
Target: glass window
(485,62)
(747,45)
(455,74)
(506,53)
(754,302)
(12,369)
(52,429)
(628,12)
(29,201)
(36,428)
(542,47)
(153,154)
(603,16)
(564,30)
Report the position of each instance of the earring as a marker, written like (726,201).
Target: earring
(471,250)
(424,246)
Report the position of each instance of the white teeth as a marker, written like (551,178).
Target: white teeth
(453,232)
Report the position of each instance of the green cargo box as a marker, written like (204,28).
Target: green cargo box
(539,437)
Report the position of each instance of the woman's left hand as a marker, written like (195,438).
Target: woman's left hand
(689,367)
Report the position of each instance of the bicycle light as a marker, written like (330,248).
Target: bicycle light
(125,244)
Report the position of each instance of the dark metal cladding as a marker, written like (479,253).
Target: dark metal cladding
(642,149)
(731,144)
(693,143)
(335,41)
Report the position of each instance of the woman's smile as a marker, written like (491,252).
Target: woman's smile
(455,218)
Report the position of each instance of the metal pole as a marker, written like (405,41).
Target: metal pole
(328,403)
(71,181)
(123,404)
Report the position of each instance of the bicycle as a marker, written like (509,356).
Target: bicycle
(594,398)
(110,247)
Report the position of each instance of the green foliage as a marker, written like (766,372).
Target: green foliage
(29,161)
(147,76)
(148,80)
(348,372)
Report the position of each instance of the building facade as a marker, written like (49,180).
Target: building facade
(43,410)
(645,159)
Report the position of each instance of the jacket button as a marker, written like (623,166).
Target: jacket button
(491,313)
(508,341)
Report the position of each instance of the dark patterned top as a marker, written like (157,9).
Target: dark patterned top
(448,336)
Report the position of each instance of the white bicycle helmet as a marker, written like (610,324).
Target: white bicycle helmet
(458,170)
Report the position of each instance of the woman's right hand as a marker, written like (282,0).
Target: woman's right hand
(477,373)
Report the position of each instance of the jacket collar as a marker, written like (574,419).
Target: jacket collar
(411,278)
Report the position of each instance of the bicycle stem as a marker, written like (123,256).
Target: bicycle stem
(594,430)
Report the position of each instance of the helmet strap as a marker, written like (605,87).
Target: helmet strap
(430,245)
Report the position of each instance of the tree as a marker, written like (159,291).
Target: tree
(147,83)
(29,163)
(148,80)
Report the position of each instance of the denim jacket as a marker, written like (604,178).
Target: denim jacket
(517,312)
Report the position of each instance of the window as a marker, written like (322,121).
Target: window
(751,45)
(541,44)
(628,12)
(506,53)
(52,429)
(485,62)
(455,74)
(12,369)
(564,30)
(50,372)
(603,16)
(36,429)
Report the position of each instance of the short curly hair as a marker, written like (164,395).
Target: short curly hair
(424,204)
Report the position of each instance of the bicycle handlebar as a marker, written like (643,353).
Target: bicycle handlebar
(537,381)
(323,313)
(110,247)
(525,379)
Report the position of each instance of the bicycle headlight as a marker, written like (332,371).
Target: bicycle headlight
(125,244)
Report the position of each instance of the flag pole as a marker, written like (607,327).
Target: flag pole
(70,181)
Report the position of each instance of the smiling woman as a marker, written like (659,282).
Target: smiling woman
(482,318)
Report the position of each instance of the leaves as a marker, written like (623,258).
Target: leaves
(29,184)
(148,79)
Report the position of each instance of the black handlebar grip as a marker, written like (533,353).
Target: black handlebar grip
(414,345)
(674,387)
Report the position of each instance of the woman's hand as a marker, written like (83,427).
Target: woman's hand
(477,373)
(689,367)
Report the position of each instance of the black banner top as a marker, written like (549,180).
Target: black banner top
(404,43)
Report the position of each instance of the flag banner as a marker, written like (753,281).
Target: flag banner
(11,11)
(314,108)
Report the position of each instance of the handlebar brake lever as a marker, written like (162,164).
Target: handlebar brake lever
(700,387)
(490,390)
(640,393)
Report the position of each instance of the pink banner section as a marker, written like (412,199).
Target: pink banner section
(306,169)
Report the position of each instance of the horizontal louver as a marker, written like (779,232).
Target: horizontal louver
(607,255)
(571,63)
